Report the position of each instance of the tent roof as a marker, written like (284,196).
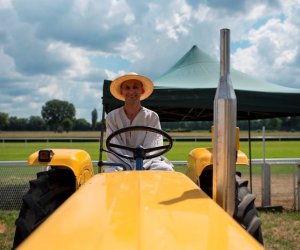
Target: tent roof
(186,92)
(199,70)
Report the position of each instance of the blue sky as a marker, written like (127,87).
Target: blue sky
(64,49)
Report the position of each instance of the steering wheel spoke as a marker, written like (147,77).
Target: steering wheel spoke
(113,145)
(160,149)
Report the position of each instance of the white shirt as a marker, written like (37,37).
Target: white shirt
(117,119)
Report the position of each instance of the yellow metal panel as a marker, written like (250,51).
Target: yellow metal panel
(79,161)
(140,210)
(200,158)
(242,158)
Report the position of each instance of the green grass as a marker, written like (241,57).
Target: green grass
(7,228)
(281,230)
(274,149)
(21,150)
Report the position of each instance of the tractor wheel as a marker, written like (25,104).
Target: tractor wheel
(245,212)
(46,193)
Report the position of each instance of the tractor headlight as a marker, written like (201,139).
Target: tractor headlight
(45,155)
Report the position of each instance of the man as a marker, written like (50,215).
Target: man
(132,88)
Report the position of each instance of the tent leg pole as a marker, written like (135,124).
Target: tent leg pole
(101,139)
(250,157)
(298,187)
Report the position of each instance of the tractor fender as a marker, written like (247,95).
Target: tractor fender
(200,158)
(78,161)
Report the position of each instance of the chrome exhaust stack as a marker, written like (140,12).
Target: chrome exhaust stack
(224,139)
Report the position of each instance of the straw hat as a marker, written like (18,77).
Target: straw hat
(115,86)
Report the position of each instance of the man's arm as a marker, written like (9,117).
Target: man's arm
(111,126)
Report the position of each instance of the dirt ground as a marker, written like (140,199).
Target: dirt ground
(283,191)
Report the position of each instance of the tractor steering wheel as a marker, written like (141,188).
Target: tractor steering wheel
(139,152)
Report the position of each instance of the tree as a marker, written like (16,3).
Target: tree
(67,124)
(94,118)
(55,111)
(274,124)
(101,125)
(36,123)
(81,125)
(18,124)
(4,121)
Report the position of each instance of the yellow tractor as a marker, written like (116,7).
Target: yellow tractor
(209,207)
(132,209)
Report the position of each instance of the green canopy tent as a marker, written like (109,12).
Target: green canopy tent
(186,92)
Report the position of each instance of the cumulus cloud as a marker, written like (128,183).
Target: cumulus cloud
(273,52)
(65,49)
(86,24)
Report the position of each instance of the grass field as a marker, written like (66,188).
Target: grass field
(274,149)
(280,230)
(11,151)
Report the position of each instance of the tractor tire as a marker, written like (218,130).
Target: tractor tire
(245,213)
(45,195)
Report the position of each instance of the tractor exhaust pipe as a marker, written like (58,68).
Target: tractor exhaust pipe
(224,139)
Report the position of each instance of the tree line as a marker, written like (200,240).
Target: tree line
(56,115)
(59,116)
(274,124)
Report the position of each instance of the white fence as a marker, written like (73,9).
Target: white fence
(179,138)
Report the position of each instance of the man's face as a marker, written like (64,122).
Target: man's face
(132,90)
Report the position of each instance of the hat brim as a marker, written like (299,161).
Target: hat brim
(115,86)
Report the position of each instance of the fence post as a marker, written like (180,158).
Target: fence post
(266,185)
(298,186)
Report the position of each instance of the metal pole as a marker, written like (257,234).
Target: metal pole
(250,152)
(224,149)
(266,185)
(298,185)
(264,144)
(265,177)
(101,138)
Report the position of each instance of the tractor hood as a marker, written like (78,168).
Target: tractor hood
(140,210)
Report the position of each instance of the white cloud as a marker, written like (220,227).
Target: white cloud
(51,90)
(78,58)
(113,75)
(65,49)
(176,22)
(5,4)
(274,47)
(257,12)
(129,50)
(119,10)
(19,99)
(7,65)
(34,105)
(245,60)
(80,7)
(203,13)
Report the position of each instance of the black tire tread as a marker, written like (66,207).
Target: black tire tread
(245,212)
(45,195)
